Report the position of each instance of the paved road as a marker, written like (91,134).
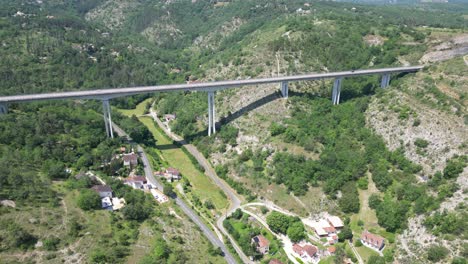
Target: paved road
(185,208)
(119,92)
(210,172)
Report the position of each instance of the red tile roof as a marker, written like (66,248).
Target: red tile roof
(332,249)
(261,241)
(136,179)
(173,171)
(330,229)
(374,240)
(310,250)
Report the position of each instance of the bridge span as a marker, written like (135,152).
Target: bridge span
(210,87)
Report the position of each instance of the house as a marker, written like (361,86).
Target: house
(320,226)
(373,241)
(307,252)
(103,190)
(169,117)
(170,174)
(262,244)
(159,196)
(332,239)
(130,159)
(335,222)
(330,230)
(106,203)
(331,250)
(136,182)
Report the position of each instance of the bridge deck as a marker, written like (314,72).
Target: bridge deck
(118,92)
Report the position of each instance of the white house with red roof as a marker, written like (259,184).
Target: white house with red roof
(261,243)
(130,159)
(306,252)
(136,182)
(171,174)
(372,241)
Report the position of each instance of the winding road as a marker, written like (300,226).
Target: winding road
(185,208)
(234,199)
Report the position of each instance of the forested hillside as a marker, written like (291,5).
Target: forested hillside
(392,161)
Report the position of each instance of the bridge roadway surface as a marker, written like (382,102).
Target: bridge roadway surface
(187,210)
(207,86)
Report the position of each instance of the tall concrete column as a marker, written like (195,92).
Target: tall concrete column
(336,91)
(107,118)
(385,80)
(3,109)
(284,89)
(211,113)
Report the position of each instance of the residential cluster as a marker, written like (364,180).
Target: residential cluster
(328,228)
(108,202)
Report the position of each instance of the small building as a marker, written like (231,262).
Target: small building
(103,190)
(307,253)
(136,182)
(331,250)
(262,244)
(130,160)
(330,230)
(106,203)
(171,174)
(169,117)
(373,241)
(335,222)
(332,239)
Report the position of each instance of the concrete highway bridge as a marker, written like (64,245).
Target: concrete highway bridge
(210,87)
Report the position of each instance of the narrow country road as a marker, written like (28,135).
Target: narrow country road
(210,172)
(360,261)
(186,209)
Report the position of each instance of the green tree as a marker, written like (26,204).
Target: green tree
(89,200)
(349,202)
(278,222)
(168,190)
(296,232)
(345,233)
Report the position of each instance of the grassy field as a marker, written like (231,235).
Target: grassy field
(174,156)
(139,110)
(366,252)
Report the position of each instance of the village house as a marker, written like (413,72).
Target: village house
(118,203)
(262,244)
(307,252)
(331,250)
(130,160)
(103,190)
(372,241)
(335,222)
(136,182)
(170,174)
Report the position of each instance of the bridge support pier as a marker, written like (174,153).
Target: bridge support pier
(3,109)
(284,89)
(107,117)
(211,113)
(336,91)
(385,80)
